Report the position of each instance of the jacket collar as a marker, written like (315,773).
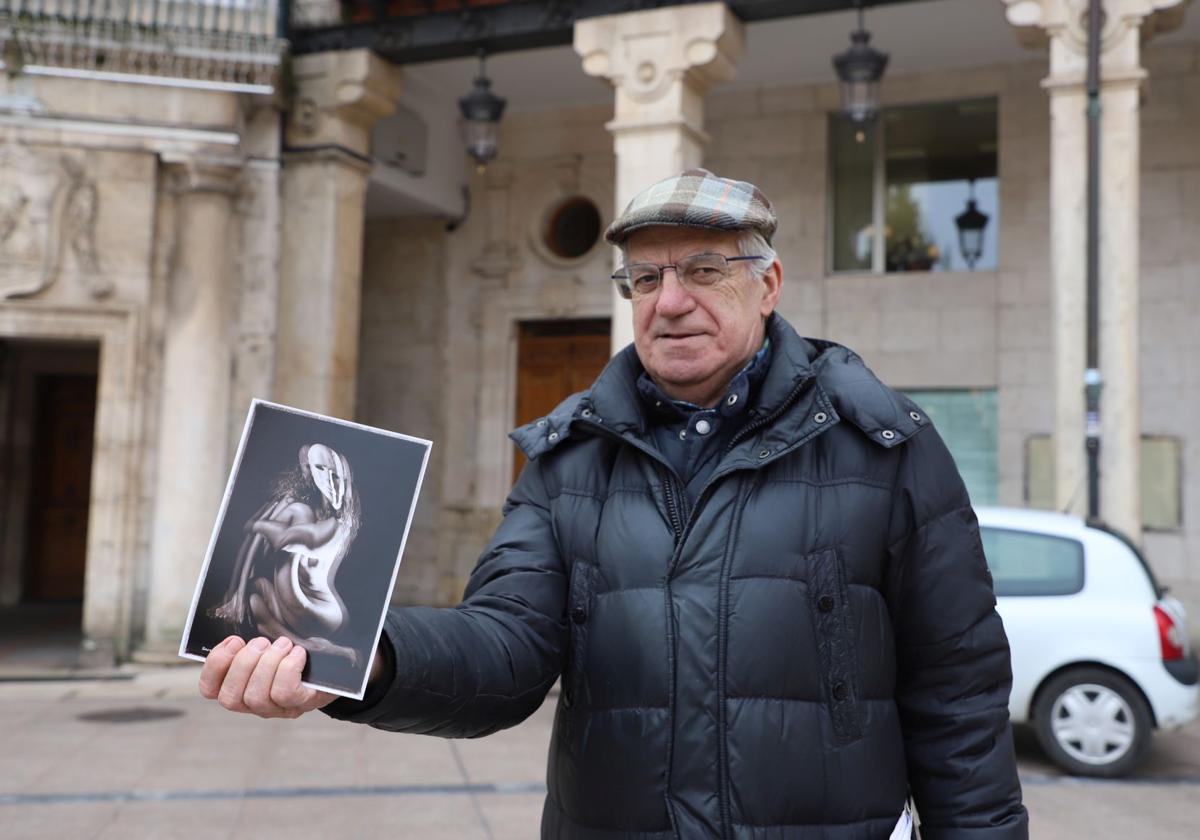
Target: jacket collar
(614,395)
(810,385)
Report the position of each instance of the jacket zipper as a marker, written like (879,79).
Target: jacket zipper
(681,533)
(750,429)
(741,435)
(682,517)
(674,515)
(673,512)
(677,513)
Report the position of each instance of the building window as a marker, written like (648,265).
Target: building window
(968,423)
(1023,563)
(572,228)
(905,189)
(1162,475)
(1162,483)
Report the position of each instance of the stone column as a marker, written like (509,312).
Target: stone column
(660,63)
(340,95)
(256,269)
(192,445)
(1063,24)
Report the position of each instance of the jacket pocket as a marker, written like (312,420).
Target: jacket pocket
(580,600)
(837,644)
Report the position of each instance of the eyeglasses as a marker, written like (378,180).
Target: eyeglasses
(698,271)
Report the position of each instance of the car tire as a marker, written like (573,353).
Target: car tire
(1093,722)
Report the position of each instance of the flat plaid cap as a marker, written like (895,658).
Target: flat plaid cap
(696,198)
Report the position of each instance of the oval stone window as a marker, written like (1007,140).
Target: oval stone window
(572,228)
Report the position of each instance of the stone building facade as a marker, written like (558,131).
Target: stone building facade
(191,247)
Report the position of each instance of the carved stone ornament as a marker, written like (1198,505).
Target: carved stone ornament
(47,207)
(644,53)
(1068,20)
(306,116)
(339,96)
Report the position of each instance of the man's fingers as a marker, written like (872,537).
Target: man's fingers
(257,696)
(216,665)
(286,690)
(261,678)
(233,688)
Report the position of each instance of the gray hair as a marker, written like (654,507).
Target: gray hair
(751,242)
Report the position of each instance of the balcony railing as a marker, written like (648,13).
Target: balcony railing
(221,44)
(410,31)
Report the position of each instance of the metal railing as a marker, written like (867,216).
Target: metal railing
(222,44)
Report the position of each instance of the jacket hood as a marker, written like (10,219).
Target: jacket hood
(840,382)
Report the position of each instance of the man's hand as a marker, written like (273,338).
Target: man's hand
(260,678)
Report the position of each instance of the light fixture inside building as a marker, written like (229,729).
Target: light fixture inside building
(860,68)
(971,223)
(481,110)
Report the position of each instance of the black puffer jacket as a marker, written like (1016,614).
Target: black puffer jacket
(785,659)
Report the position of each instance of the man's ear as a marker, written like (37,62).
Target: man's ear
(773,279)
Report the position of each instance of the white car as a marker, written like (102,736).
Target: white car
(1100,654)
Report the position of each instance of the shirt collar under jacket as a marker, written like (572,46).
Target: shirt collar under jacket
(734,401)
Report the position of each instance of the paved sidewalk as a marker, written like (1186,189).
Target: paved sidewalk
(199,771)
(182,767)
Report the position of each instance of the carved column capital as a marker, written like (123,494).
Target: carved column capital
(1063,24)
(661,61)
(339,96)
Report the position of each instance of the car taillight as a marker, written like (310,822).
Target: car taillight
(1169,635)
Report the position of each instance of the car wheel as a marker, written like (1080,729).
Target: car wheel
(1092,722)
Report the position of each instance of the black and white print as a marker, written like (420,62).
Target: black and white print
(308,541)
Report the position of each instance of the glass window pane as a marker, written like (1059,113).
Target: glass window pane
(968,423)
(1161,503)
(940,163)
(853,190)
(1039,472)
(1024,563)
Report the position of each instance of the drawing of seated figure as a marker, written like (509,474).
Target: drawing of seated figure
(284,575)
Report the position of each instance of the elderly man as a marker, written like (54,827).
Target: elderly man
(754,568)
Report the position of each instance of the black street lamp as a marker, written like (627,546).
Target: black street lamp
(860,68)
(971,223)
(481,110)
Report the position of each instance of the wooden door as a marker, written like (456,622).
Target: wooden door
(554,360)
(62,466)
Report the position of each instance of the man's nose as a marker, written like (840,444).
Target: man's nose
(673,297)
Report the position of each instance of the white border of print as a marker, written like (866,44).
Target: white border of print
(212,540)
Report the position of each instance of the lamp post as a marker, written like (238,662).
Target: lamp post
(971,223)
(481,110)
(860,68)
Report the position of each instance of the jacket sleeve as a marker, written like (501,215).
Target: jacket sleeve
(953,668)
(486,664)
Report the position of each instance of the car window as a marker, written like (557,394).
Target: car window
(1025,563)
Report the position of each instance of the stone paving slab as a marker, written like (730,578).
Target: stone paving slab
(1098,810)
(53,822)
(171,820)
